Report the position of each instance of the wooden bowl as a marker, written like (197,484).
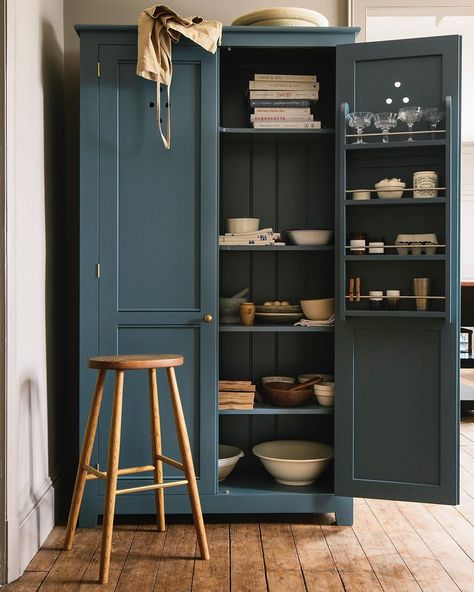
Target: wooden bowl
(279,393)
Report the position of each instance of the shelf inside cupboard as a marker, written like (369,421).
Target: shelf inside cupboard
(254,481)
(396,144)
(404,201)
(245,134)
(395,257)
(429,314)
(274,248)
(274,329)
(266,409)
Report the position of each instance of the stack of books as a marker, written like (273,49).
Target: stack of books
(261,238)
(236,394)
(283,101)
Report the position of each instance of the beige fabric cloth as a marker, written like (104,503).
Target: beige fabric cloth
(158,27)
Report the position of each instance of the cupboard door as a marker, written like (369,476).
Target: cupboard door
(158,229)
(397,404)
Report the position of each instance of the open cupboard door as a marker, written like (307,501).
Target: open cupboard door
(397,374)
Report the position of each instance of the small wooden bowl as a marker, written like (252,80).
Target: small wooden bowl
(279,393)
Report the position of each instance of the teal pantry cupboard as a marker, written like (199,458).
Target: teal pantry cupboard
(151,269)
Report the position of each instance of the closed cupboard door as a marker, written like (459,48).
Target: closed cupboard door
(397,409)
(157,248)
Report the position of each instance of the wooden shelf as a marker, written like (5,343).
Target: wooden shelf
(429,314)
(274,329)
(246,480)
(274,248)
(266,409)
(395,257)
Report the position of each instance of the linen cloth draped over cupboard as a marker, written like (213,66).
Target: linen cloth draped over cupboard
(158,27)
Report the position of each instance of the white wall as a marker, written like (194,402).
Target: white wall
(34,53)
(467,213)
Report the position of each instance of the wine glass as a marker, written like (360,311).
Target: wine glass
(385,122)
(433,116)
(410,116)
(359,120)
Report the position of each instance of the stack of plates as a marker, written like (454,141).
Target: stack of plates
(278,314)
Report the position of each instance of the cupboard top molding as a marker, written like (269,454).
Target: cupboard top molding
(256,36)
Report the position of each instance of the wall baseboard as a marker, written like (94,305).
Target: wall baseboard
(27,533)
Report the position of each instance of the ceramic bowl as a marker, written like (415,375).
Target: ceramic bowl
(388,191)
(282,17)
(324,392)
(287,379)
(229,456)
(360,195)
(324,377)
(309,237)
(240,225)
(229,310)
(294,462)
(318,310)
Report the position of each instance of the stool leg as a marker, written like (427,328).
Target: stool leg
(156,448)
(112,473)
(86,452)
(187,459)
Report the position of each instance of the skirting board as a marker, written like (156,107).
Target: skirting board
(27,534)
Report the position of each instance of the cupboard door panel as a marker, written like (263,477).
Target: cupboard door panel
(158,229)
(397,403)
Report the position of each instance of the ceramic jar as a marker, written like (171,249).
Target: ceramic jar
(393,299)
(357,242)
(376,245)
(375,299)
(424,183)
(360,195)
(247,313)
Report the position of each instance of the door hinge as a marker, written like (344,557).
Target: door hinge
(97,270)
(98,69)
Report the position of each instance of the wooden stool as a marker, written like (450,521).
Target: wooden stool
(85,472)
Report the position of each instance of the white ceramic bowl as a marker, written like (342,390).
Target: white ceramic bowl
(325,377)
(309,237)
(389,191)
(282,17)
(294,462)
(325,400)
(288,379)
(229,456)
(318,310)
(240,225)
(360,195)
(324,392)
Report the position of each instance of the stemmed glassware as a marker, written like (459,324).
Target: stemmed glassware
(385,122)
(410,116)
(359,121)
(433,116)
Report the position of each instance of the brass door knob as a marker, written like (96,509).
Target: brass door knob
(207,318)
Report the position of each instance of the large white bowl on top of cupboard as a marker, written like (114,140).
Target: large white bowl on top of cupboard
(229,456)
(309,237)
(294,462)
(242,225)
(390,188)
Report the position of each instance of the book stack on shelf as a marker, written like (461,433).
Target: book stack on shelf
(236,394)
(261,238)
(283,101)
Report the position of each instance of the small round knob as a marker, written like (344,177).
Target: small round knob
(207,318)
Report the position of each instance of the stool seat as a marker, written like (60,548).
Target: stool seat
(135,362)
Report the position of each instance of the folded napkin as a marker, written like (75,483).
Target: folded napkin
(158,26)
(308,323)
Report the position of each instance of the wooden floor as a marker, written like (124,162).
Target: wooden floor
(393,546)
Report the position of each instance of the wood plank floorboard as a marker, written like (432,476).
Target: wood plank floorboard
(392,547)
